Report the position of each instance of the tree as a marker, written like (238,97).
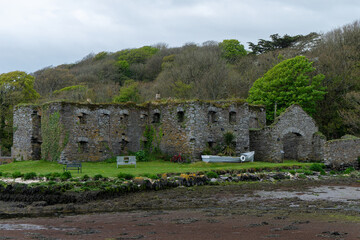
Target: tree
(15,87)
(232,50)
(278,42)
(129,92)
(289,82)
(338,55)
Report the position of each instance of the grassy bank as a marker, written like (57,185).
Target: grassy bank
(153,167)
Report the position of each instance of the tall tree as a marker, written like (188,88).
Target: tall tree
(289,82)
(15,87)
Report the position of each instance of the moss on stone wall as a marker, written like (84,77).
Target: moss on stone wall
(53,138)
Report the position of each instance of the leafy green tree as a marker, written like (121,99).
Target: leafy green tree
(129,92)
(15,87)
(232,50)
(289,82)
(73,93)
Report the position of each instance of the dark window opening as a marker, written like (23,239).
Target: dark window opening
(83,147)
(212,117)
(123,145)
(211,145)
(180,116)
(82,118)
(124,118)
(232,117)
(156,118)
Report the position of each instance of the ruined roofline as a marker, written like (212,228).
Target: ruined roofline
(276,120)
(222,103)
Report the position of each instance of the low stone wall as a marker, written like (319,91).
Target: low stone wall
(342,153)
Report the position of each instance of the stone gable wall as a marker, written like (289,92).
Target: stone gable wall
(269,143)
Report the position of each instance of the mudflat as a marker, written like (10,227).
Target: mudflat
(302,209)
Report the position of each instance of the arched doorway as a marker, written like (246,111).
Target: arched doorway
(293,145)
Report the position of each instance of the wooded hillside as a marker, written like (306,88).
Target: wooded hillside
(213,70)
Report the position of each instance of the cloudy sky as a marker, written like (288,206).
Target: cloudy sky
(39,33)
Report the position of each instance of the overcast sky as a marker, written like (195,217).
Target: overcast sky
(39,33)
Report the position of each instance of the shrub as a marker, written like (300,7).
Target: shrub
(302,176)
(85,177)
(1,174)
(151,176)
(30,175)
(98,176)
(127,176)
(349,170)
(142,156)
(17,174)
(212,175)
(317,167)
(308,172)
(292,172)
(65,176)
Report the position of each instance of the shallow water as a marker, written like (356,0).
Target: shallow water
(329,193)
(21,227)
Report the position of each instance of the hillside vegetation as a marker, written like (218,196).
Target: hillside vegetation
(213,70)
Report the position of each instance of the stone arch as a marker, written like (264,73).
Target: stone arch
(293,143)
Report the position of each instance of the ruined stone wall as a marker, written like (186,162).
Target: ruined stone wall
(293,124)
(188,128)
(91,132)
(98,132)
(257,117)
(318,142)
(27,133)
(342,153)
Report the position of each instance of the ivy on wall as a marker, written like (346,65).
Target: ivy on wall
(152,137)
(52,141)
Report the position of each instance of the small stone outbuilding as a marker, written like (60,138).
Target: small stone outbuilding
(293,135)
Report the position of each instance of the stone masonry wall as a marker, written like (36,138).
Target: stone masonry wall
(342,153)
(189,128)
(27,134)
(93,132)
(269,142)
(257,117)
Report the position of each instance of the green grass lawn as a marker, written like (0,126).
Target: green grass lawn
(153,167)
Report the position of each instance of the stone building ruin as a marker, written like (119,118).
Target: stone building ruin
(94,132)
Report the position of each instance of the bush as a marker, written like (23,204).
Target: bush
(30,175)
(317,167)
(111,160)
(302,176)
(349,170)
(151,176)
(308,172)
(98,176)
(85,177)
(127,176)
(17,174)
(212,175)
(65,176)
(142,156)
(292,172)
